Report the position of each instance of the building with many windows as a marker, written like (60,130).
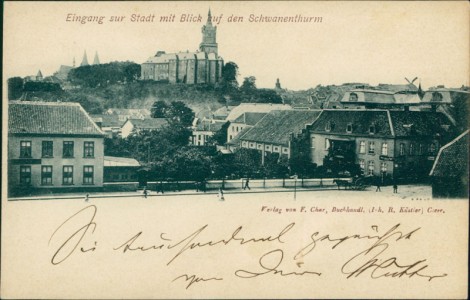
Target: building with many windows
(53,146)
(383,143)
(202,66)
(275,131)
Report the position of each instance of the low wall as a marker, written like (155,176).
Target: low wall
(216,184)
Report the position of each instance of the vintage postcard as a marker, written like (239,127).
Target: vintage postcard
(176,150)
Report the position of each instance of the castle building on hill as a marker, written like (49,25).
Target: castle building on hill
(202,66)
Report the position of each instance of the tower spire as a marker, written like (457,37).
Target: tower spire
(96,60)
(84,60)
(209,18)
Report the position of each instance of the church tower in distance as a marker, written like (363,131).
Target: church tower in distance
(209,44)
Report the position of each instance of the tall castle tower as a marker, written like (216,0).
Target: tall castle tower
(209,44)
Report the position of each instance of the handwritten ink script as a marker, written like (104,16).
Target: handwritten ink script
(374,253)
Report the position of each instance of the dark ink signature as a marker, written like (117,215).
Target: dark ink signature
(194,279)
(271,268)
(379,267)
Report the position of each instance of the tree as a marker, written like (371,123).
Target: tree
(15,88)
(159,109)
(178,112)
(249,84)
(229,74)
(220,137)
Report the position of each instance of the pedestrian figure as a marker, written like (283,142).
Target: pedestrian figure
(145,192)
(87,196)
(247,184)
(221,195)
(378,186)
(395,188)
(160,188)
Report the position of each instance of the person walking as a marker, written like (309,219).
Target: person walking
(221,195)
(247,184)
(145,192)
(395,188)
(378,186)
(87,197)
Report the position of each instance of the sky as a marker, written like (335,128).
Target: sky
(356,41)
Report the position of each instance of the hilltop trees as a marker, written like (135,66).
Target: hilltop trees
(104,74)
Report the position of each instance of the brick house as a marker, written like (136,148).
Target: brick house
(53,146)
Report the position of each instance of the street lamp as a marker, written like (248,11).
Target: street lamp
(295,186)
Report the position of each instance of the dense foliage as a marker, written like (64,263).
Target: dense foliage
(104,74)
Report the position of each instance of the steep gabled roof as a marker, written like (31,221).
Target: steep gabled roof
(50,118)
(452,159)
(278,125)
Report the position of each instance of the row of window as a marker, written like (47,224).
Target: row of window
(349,127)
(48,149)
(236,129)
(267,148)
(402,151)
(46,175)
(371,166)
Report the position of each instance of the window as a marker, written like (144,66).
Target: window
(67,175)
(362,147)
(89,149)
(362,164)
(47,149)
(327,144)
(88,175)
(353,97)
(384,149)
(412,149)
(46,175)
(67,151)
(230,137)
(25,174)
(371,147)
(372,129)
(383,167)
(349,128)
(436,97)
(402,149)
(25,149)
(370,167)
(329,126)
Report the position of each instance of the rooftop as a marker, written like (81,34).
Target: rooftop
(385,123)
(452,159)
(25,117)
(112,161)
(286,122)
(150,123)
(237,111)
(249,118)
